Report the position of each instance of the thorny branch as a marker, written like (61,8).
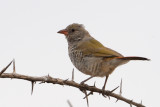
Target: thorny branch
(49,79)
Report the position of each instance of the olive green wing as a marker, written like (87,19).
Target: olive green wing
(92,47)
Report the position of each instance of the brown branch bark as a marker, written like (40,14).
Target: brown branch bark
(83,87)
(49,79)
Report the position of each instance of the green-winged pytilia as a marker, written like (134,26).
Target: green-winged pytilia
(91,57)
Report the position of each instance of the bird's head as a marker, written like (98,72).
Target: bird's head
(74,32)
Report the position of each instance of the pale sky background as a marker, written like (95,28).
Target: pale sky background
(28,33)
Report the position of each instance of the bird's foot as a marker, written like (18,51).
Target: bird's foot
(103,91)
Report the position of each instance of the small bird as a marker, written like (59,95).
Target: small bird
(89,56)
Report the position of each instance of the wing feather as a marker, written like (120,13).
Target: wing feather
(92,47)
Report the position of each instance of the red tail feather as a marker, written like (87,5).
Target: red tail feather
(133,58)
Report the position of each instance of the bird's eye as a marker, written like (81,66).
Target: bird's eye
(73,30)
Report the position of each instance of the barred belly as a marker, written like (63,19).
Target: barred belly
(85,64)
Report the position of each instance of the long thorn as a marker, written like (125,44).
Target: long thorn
(116,100)
(88,94)
(114,89)
(120,87)
(86,79)
(32,87)
(69,103)
(85,92)
(120,92)
(73,74)
(14,67)
(4,69)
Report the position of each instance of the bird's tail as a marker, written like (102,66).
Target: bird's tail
(133,58)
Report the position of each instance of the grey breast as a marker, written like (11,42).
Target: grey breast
(86,64)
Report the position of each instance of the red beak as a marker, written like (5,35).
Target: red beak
(65,32)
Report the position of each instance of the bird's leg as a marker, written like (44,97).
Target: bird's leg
(103,88)
(86,79)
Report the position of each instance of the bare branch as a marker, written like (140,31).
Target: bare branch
(49,79)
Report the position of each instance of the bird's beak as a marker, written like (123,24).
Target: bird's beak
(65,32)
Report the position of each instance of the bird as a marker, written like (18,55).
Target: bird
(91,57)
